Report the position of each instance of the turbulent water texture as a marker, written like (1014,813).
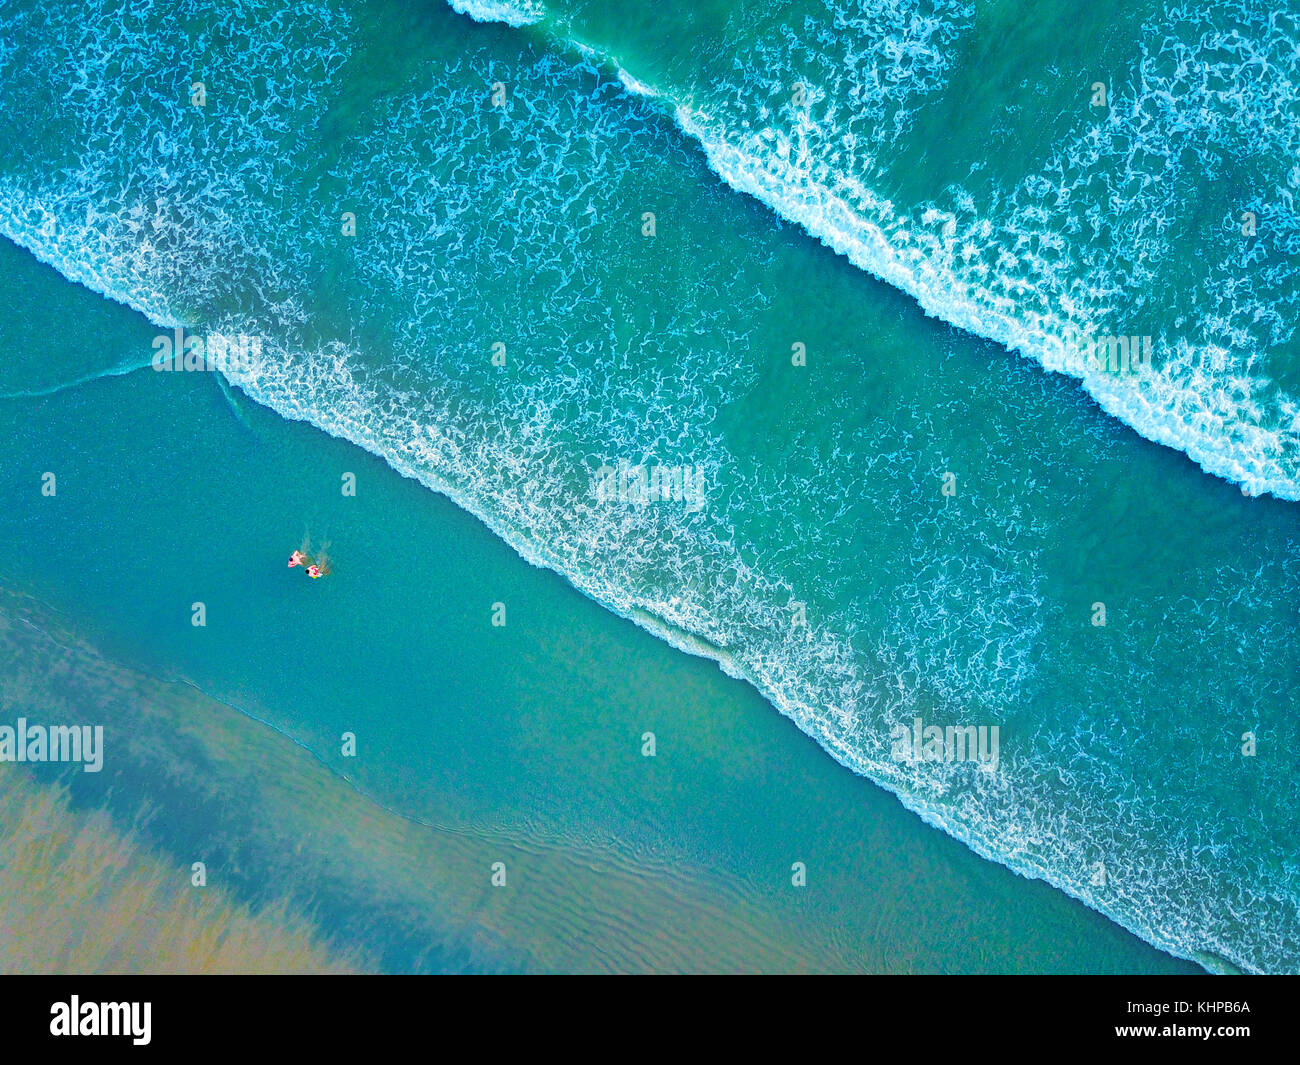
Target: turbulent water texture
(1169,213)
(825,565)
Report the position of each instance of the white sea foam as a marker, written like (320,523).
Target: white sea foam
(511,12)
(982,273)
(1010,274)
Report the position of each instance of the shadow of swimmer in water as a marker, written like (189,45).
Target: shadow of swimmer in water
(317,566)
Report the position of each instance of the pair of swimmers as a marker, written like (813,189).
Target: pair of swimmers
(299,559)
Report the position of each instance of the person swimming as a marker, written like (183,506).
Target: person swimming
(297,559)
(314,571)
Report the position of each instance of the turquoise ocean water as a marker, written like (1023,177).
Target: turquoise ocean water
(837,262)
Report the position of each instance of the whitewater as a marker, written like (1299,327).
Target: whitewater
(1012,271)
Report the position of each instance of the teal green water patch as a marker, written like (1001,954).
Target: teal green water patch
(551,298)
(43,356)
